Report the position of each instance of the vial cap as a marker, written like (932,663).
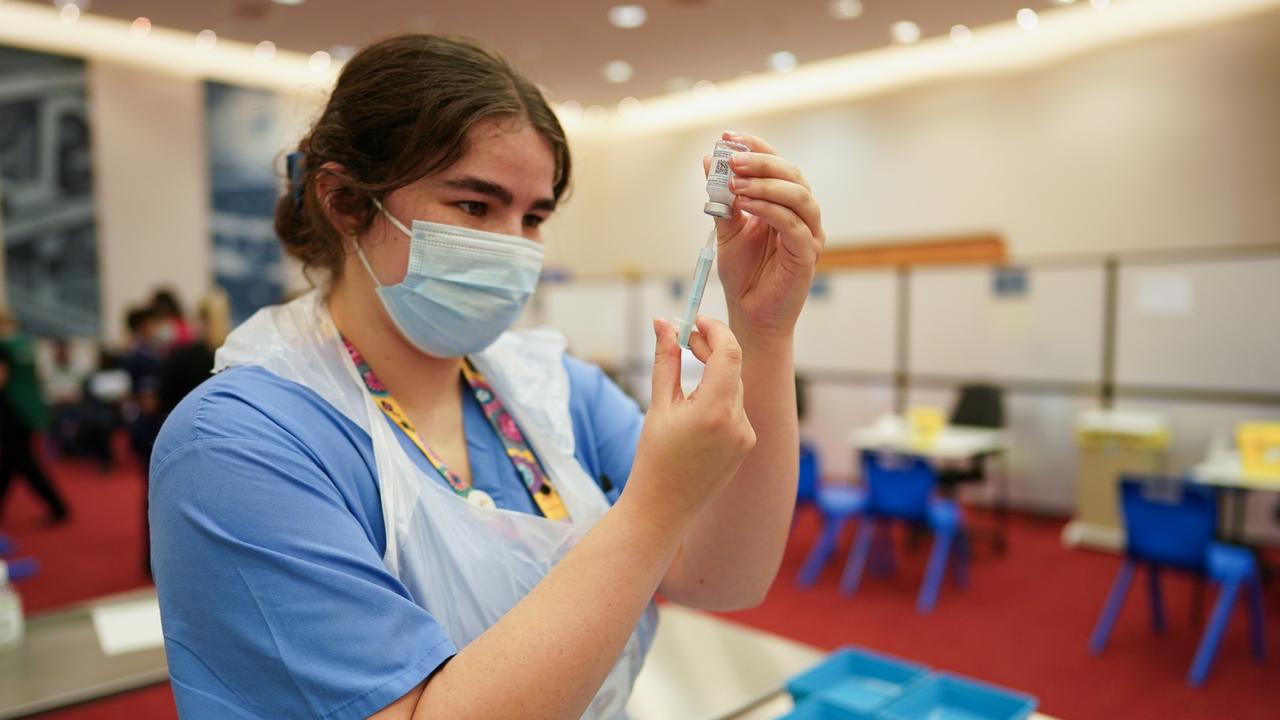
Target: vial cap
(720,210)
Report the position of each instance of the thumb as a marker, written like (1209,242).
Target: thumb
(666,364)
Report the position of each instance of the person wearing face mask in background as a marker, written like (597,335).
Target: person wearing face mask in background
(417,514)
(172,328)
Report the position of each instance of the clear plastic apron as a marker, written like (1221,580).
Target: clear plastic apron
(464,564)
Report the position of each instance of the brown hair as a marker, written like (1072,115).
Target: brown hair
(401,111)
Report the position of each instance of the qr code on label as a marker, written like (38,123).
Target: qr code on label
(722,167)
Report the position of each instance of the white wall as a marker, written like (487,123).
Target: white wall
(150,185)
(1169,142)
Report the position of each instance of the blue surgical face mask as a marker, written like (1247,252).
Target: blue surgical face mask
(463,287)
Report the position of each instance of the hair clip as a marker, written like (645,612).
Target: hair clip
(296,168)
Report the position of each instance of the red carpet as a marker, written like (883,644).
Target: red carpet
(1024,622)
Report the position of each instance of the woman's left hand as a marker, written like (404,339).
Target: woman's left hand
(768,250)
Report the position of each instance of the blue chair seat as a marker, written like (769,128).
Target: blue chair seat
(1228,562)
(841,499)
(1171,524)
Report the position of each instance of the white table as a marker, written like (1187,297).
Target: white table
(953,445)
(1223,469)
(705,668)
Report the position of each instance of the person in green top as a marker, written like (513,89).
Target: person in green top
(22,412)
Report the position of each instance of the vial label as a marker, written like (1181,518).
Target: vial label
(720,172)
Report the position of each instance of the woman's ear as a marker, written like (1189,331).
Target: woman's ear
(336,199)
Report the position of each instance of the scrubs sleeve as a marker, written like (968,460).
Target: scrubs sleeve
(607,425)
(275,602)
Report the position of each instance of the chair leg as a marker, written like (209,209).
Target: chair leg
(1110,611)
(1255,620)
(935,571)
(821,552)
(882,558)
(858,558)
(962,551)
(1212,637)
(1157,602)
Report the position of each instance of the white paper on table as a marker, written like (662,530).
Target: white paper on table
(128,627)
(1164,293)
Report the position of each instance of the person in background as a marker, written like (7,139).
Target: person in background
(63,383)
(22,412)
(189,365)
(174,330)
(142,352)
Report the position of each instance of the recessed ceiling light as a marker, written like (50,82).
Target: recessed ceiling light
(288,2)
(627,17)
(319,61)
(679,84)
(904,32)
(782,61)
(704,88)
(617,71)
(961,35)
(570,109)
(141,27)
(1063,2)
(265,50)
(845,9)
(595,112)
(69,13)
(630,107)
(342,53)
(1028,19)
(206,39)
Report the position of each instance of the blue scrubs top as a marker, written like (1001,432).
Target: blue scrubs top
(267,543)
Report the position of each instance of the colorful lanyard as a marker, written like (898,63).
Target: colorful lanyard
(519,453)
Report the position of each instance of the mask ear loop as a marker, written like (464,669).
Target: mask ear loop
(360,250)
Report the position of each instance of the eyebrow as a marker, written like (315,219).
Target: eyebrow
(497,192)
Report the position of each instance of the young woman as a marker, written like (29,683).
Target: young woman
(385,505)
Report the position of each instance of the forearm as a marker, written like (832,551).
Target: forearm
(549,655)
(732,554)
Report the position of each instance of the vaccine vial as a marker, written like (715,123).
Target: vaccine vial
(720,197)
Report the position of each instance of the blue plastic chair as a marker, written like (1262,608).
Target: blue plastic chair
(837,504)
(901,488)
(1171,523)
(807,488)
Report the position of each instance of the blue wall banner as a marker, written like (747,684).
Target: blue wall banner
(246,129)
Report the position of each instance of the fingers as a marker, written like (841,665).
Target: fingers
(794,236)
(699,346)
(751,141)
(666,365)
(766,166)
(722,377)
(794,197)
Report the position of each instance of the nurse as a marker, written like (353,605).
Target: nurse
(385,505)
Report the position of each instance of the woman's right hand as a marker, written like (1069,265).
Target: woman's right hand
(692,446)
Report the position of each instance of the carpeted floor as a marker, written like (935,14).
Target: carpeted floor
(1024,622)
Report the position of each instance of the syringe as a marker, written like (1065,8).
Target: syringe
(706,255)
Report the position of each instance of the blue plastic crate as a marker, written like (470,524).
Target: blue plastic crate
(814,710)
(857,681)
(949,697)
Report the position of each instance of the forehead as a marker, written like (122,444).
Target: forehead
(510,152)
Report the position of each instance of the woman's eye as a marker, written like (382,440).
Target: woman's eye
(533,221)
(473,208)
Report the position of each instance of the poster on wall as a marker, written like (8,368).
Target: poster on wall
(246,136)
(46,194)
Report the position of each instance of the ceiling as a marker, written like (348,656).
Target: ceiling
(564,44)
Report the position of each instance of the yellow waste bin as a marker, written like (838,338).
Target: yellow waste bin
(1111,443)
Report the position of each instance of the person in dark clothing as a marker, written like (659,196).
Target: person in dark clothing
(189,365)
(22,412)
